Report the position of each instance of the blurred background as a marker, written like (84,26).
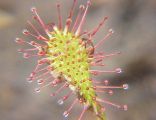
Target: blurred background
(134,23)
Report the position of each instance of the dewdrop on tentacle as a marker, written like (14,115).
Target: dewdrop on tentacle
(66,58)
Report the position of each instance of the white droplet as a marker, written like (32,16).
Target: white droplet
(54,83)
(29,81)
(40,81)
(60,102)
(125,107)
(20,50)
(110,92)
(125,86)
(65,114)
(26,55)
(106,82)
(118,70)
(111,30)
(33,9)
(25,31)
(37,90)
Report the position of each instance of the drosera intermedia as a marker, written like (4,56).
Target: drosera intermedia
(66,58)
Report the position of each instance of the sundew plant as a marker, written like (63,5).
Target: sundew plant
(66,59)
